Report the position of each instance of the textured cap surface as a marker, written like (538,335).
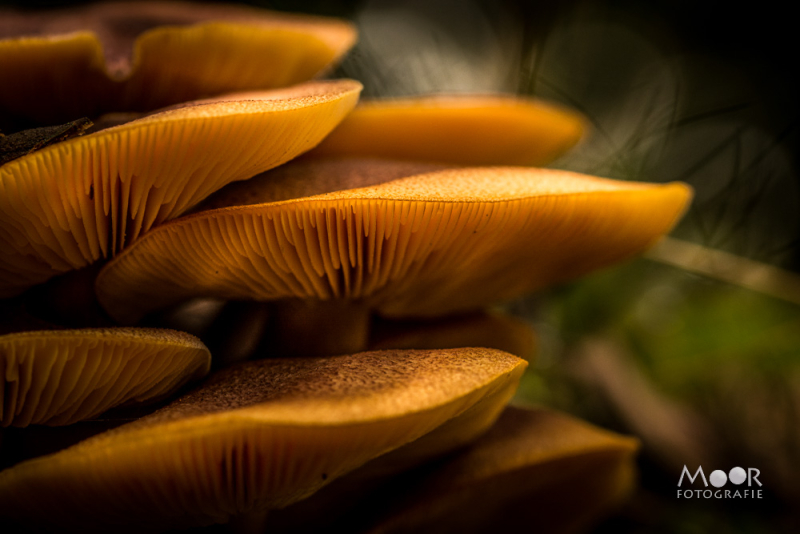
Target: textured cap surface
(256,436)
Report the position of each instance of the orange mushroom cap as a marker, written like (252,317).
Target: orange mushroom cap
(139,56)
(534,469)
(461,129)
(255,436)
(72,203)
(404,240)
(58,377)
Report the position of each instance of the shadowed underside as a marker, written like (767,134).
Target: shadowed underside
(58,377)
(534,467)
(482,329)
(535,470)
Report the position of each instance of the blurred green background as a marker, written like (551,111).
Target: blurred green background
(704,368)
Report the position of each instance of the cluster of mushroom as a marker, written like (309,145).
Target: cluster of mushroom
(374,236)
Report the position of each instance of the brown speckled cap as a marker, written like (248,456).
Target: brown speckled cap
(257,436)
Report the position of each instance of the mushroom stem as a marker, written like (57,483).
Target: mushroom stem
(69,300)
(319,328)
(237,332)
(477,329)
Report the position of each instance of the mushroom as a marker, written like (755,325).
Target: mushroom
(535,469)
(72,203)
(461,129)
(265,434)
(392,237)
(260,435)
(139,56)
(58,377)
(237,330)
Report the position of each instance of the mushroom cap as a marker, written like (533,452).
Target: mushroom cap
(139,56)
(58,377)
(429,244)
(72,203)
(534,470)
(260,435)
(461,129)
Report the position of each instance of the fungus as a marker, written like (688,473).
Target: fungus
(58,377)
(72,203)
(429,244)
(463,129)
(534,468)
(138,56)
(331,242)
(258,435)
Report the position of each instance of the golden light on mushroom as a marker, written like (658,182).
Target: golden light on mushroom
(72,203)
(144,55)
(58,377)
(401,254)
(256,436)
(462,129)
(431,243)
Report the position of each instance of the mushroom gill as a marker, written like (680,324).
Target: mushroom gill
(58,377)
(259,435)
(405,240)
(72,203)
